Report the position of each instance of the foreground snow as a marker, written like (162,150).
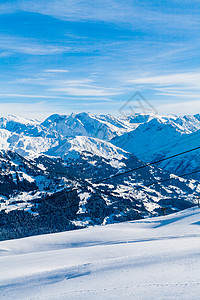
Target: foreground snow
(156,258)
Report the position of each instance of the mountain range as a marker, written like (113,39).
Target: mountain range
(54,173)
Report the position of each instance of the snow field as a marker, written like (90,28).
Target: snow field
(157,258)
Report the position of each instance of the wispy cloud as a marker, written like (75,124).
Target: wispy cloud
(56,71)
(5,53)
(135,13)
(180,94)
(28,96)
(181,79)
(34,46)
(83,87)
(77,9)
(13,44)
(182,85)
(85,91)
(62,87)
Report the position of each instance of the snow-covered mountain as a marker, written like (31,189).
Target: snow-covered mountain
(156,133)
(135,134)
(86,124)
(72,148)
(31,138)
(42,162)
(36,195)
(15,123)
(163,137)
(27,137)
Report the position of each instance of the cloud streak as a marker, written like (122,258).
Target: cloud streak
(181,85)
(56,71)
(28,96)
(13,44)
(130,12)
(181,79)
(83,87)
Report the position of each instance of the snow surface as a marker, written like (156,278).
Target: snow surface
(157,258)
(73,147)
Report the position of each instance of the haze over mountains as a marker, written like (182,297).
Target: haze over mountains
(41,161)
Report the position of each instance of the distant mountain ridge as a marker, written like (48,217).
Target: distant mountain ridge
(103,127)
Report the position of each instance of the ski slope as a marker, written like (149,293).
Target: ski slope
(157,258)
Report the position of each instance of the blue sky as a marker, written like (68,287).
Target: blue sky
(63,56)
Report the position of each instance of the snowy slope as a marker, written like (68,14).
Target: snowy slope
(157,132)
(73,147)
(4,136)
(13,123)
(186,163)
(155,258)
(26,137)
(149,135)
(160,138)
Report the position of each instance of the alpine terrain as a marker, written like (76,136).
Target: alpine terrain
(79,170)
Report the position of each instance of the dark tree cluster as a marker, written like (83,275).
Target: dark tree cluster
(52,214)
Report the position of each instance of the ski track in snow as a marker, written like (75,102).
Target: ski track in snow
(157,258)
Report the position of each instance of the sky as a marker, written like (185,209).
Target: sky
(64,56)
